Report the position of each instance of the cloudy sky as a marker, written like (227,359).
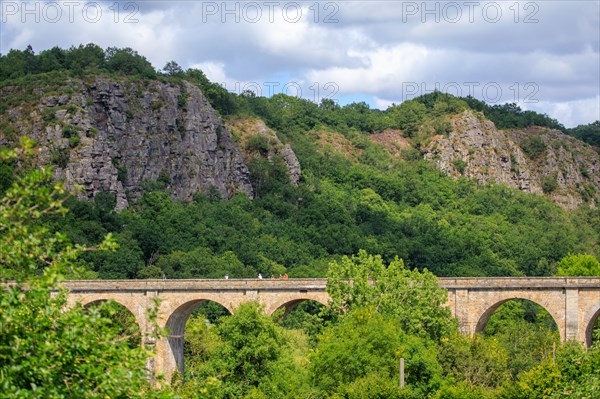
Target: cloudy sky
(544,55)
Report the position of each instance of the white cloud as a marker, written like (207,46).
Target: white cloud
(383,69)
(214,71)
(569,113)
(373,51)
(381,103)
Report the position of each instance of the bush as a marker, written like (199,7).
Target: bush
(460,165)
(60,157)
(258,143)
(71,133)
(48,349)
(533,147)
(549,184)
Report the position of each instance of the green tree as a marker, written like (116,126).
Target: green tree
(578,265)
(251,345)
(201,345)
(123,263)
(28,247)
(589,133)
(537,383)
(526,331)
(414,298)
(407,116)
(463,390)
(572,373)
(580,370)
(90,56)
(128,61)
(17,63)
(47,350)
(478,361)
(367,344)
(172,68)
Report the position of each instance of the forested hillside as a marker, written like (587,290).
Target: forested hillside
(107,121)
(111,169)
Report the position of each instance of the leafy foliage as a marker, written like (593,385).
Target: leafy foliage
(510,115)
(26,247)
(589,133)
(246,354)
(526,332)
(578,265)
(478,361)
(47,352)
(414,298)
(369,345)
(16,63)
(533,147)
(46,349)
(349,203)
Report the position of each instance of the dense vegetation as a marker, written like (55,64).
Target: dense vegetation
(589,133)
(47,351)
(347,206)
(348,350)
(365,199)
(77,60)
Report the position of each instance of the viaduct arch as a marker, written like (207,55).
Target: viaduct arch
(573,302)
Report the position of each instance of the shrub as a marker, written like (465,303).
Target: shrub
(60,157)
(460,165)
(533,147)
(549,184)
(71,133)
(258,143)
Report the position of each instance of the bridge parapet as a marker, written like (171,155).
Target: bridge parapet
(317,284)
(320,284)
(518,282)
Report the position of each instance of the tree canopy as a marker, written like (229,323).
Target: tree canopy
(46,350)
(413,298)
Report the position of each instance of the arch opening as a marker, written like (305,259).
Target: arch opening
(524,329)
(515,309)
(297,307)
(125,321)
(202,309)
(592,332)
(302,315)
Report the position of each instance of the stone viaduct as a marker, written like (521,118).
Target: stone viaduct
(573,302)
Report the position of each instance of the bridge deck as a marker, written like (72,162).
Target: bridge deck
(320,284)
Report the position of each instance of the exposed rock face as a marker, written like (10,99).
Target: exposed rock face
(562,167)
(292,164)
(109,136)
(248,130)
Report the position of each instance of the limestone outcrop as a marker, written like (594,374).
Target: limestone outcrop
(258,140)
(104,135)
(537,160)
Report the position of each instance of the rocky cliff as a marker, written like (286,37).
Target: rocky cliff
(536,160)
(104,135)
(257,140)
